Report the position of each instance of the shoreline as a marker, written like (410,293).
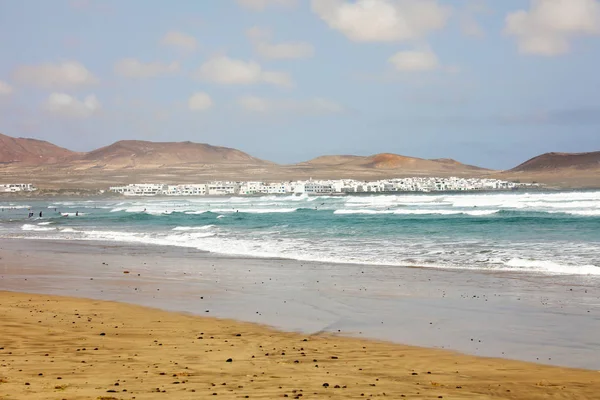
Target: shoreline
(544,319)
(52,194)
(86,348)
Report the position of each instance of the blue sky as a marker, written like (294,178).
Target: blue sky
(490,83)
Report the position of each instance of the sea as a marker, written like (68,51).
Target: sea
(522,232)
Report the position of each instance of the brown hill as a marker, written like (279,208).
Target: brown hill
(332,160)
(31,151)
(385,161)
(551,162)
(142,154)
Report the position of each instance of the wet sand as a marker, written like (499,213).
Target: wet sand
(542,319)
(60,347)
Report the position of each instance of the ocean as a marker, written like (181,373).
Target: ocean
(531,232)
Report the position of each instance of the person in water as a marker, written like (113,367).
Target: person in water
(77,213)
(40,214)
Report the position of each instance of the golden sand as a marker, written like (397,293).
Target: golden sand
(68,348)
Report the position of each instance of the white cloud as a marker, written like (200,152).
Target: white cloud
(468,17)
(258,33)
(180,41)
(413,61)
(311,107)
(5,89)
(48,75)
(549,25)
(289,50)
(228,71)
(382,20)
(253,103)
(200,101)
(133,68)
(259,5)
(65,105)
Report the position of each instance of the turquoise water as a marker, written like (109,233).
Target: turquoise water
(552,233)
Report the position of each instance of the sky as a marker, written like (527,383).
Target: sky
(486,82)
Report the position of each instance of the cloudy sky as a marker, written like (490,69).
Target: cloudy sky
(485,82)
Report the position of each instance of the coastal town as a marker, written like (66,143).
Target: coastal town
(318,187)
(16,187)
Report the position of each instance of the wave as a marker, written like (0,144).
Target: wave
(45,223)
(35,228)
(585,213)
(193,228)
(418,212)
(256,210)
(552,267)
(273,244)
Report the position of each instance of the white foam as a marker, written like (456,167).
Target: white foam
(256,210)
(45,223)
(552,267)
(418,212)
(35,228)
(193,228)
(365,212)
(588,213)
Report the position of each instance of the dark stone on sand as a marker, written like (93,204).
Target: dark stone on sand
(102,334)
(334,357)
(326,384)
(229,360)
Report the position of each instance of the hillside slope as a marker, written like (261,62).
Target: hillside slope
(389,161)
(552,162)
(32,151)
(141,154)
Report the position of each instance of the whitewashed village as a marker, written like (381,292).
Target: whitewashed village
(318,187)
(17,187)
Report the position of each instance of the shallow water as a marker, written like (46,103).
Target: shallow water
(549,233)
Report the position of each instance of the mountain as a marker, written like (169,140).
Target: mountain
(142,154)
(553,162)
(31,151)
(389,161)
(332,160)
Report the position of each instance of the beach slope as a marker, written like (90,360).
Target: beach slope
(57,347)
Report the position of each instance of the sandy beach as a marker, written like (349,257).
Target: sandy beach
(55,347)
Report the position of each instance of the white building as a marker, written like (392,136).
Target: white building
(222,188)
(140,189)
(16,187)
(310,187)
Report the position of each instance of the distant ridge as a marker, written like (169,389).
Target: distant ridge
(138,153)
(389,161)
(31,151)
(122,154)
(550,162)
